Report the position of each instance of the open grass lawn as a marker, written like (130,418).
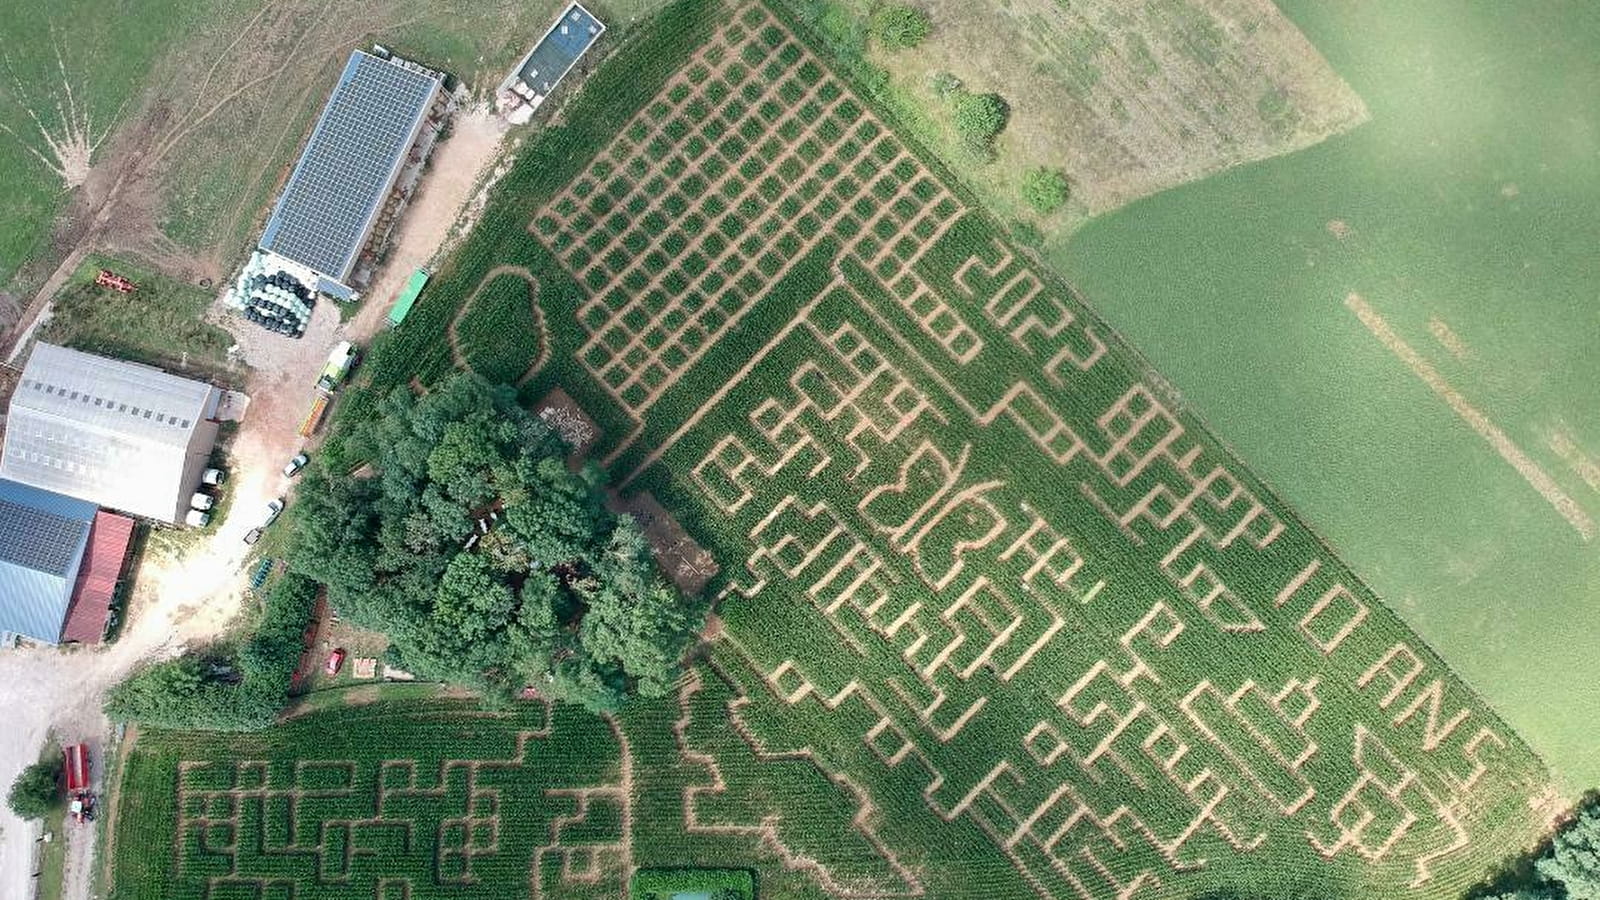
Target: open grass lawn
(53,855)
(1465,216)
(162,323)
(1001,617)
(101,53)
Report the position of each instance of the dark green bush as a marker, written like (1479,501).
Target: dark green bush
(979,118)
(36,790)
(1045,190)
(898,26)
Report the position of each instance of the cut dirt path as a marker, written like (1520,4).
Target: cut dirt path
(182,602)
(433,220)
(541,329)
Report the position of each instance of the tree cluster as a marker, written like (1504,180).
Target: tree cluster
(1045,189)
(240,691)
(486,561)
(1564,867)
(36,790)
(897,26)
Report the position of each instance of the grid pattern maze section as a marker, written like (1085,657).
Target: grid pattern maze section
(741,165)
(345,172)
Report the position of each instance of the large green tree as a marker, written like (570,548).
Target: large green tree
(35,792)
(1574,860)
(486,559)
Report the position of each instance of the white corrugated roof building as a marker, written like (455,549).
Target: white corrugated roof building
(121,435)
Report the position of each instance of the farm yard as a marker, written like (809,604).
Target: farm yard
(998,615)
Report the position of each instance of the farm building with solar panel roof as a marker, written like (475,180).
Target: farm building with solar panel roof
(345,192)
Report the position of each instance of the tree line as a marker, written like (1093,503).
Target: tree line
(242,690)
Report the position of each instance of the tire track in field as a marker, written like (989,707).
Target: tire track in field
(1531,472)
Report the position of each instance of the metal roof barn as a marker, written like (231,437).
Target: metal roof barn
(42,539)
(98,574)
(118,434)
(326,212)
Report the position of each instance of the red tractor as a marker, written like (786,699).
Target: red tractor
(78,791)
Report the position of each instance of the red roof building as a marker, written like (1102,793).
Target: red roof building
(98,574)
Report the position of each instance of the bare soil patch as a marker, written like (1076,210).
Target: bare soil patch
(685,562)
(562,413)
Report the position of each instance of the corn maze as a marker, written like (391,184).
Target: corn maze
(1000,619)
(426,801)
(973,543)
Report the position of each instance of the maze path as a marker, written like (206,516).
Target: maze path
(781,156)
(1038,589)
(398,827)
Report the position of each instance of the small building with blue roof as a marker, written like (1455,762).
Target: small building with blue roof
(536,77)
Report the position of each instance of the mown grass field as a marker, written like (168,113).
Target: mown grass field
(51,47)
(1464,214)
(162,323)
(1126,99)
(999,617)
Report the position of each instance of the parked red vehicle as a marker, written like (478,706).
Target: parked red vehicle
(77,773)
(335,660)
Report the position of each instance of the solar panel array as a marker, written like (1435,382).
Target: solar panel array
(40,540)
(322,219)
(556,52)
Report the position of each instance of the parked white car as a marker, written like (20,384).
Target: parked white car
(195,518)
(202,501)
(213,477)
(274,509)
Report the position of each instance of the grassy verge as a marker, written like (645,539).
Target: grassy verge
(349,692)
(53,854)
(666,884)
(162,323)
